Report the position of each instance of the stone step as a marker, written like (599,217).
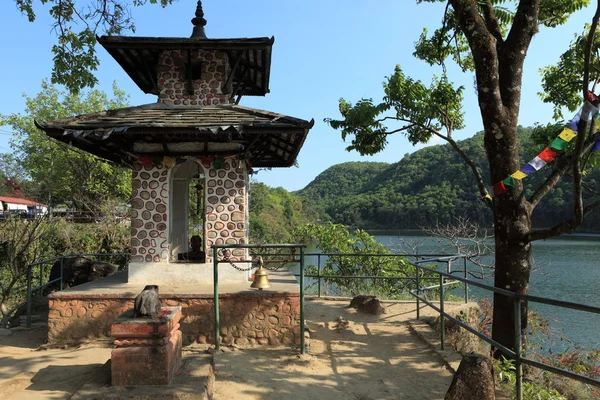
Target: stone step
(193,381)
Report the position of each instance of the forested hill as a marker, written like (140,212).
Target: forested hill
(428,186)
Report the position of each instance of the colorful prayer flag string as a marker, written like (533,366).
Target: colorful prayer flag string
(558,144)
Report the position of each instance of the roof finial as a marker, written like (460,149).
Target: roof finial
(198,21)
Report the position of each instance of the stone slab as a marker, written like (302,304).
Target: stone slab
(127,327)
(194,380)
(146,365)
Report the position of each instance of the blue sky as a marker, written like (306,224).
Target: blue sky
(323,50)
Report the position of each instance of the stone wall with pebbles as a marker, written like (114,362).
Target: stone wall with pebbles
(208,89)
(226,200)
(149,213)
(265,318)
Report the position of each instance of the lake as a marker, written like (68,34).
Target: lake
(567,268)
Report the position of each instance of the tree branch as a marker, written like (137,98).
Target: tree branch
(560,169)
(577,196)
(564,227)
(524,25)
(491,20)
(478,178)
(483,48)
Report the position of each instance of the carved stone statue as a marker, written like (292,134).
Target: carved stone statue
(147,302)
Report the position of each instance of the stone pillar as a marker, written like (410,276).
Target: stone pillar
(148,350)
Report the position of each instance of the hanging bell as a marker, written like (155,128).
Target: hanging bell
(261,278)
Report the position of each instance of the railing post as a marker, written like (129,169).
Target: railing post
(418,291)
(216,296)
(41,278)
(318,275)
(302,345)
(518,344)
(465,276)
(62,266)
(442,318)
(28,323)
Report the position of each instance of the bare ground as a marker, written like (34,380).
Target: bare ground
(370,357)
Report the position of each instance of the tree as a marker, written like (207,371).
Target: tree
(491,39)
(76,27)
(66,173)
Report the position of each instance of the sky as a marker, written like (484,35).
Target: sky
(324,50)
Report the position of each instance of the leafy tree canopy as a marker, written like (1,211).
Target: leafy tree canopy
(68,173)
(76,24)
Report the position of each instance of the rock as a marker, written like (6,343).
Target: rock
(367,304)
(474,380)
(341,324)
(78,270)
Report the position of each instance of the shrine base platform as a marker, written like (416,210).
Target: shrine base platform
(247,316)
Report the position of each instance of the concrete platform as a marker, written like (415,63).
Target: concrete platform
(248,316)
(116,286)
(193,380)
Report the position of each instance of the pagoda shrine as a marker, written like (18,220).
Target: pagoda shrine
(192,151)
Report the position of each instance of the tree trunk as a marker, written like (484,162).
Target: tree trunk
(512,273)
(512,221)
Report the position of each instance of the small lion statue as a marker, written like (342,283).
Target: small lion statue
(147,303)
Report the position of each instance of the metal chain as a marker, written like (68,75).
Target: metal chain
(227,255)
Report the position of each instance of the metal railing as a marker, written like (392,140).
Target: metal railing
(216,263)
(42,275)
(418,293)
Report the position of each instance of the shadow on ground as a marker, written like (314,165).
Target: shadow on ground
(365,357)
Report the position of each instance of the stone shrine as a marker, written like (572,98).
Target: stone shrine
(191,153)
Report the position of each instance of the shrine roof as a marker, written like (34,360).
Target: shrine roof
(139,57)
(265,138)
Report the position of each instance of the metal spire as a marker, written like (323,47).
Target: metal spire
(199,22)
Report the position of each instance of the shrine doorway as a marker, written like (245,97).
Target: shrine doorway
(188,213)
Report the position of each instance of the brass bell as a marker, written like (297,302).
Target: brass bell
(261,278)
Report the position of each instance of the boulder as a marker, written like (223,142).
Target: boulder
(78,270)
(474,380)
(367,304)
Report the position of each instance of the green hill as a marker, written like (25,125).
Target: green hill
(428,186)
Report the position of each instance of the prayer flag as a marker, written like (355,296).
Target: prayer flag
(597,143)
(528,169)
(588,110)
(180,161)
(218,163)
(573,123)
(537,163)
(156,160)
(499,188)
(597,121)
(145,161)
(547,155)
(509,181)
(169,162)
(558,144)
(518,175)
(567,134)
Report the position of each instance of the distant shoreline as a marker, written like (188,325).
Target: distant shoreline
(418,232)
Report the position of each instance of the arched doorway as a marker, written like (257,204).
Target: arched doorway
(188,212)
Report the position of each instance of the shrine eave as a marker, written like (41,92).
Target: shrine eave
(139,57)
(264,138)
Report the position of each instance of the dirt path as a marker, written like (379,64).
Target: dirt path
(370,357)
(29,373)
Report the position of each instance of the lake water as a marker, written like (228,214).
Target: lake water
(567,268)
